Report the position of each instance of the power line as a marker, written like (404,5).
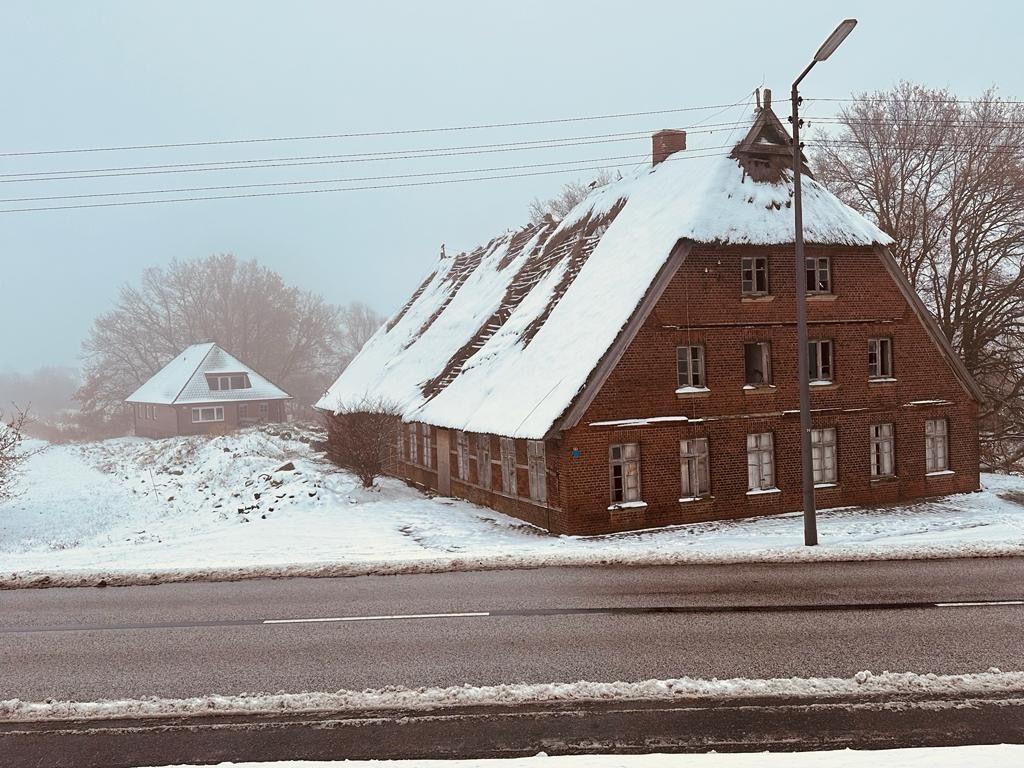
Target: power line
(363,134)
(439,182)
(356,157)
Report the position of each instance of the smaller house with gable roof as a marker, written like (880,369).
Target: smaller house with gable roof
(204,389)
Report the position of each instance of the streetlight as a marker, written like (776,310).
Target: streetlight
(810,521)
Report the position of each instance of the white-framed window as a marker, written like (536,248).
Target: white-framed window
(883,450)
(414,442)
(508,466)
(936,445)
(693,468)
(538,470)
(880,358)
(624,469)
(462,454)
(819,360)
(483,461)
(754,275)
(760,461)
(209,413)
(757,363)
(428,447)
(690,366)
(823,455)
(819,274)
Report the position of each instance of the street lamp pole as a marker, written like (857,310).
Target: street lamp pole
(806,464)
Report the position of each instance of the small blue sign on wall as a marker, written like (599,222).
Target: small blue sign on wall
(575,453)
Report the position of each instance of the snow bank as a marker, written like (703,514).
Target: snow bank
(927,757)
(420,699)
(132,511)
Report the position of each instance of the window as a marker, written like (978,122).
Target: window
(819,277)
(883,451)
(200,415)
(428,448)
(760,461)
(880,358)
(483,461)
(538,469)
(819,360)
(414,444)
(625,472)
(462,454)
(243,411)
(508,465)
(936,447)
(823,455)
(401,443)
(690,366)
(264,411)
(219,382)
(754,272)
(693,468)
(757,358)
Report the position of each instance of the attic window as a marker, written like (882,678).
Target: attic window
(224,381)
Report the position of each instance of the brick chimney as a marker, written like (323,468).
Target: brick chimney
(665,143)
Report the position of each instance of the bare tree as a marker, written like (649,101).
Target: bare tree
(293,337)
(361,437)
(13,453)
(358,323)
(570,195)
(946,178)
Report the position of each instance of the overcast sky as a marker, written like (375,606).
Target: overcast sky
(100,74)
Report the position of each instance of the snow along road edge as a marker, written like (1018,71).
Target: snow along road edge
(821,554)
(405,699)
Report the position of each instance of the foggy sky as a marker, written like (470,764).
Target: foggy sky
(112,73)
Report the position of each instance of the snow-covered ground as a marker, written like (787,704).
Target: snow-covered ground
(398,698)
(131,510)
(929,757)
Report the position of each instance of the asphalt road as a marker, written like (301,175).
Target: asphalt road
(540,625)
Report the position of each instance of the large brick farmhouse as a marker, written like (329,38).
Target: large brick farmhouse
(202,390)
(634,364)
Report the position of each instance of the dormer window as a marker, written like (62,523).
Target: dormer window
(224,381)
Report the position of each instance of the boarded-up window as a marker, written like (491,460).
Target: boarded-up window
(538,470)
(508,466)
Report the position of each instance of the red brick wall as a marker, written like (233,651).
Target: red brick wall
(172,420)
(703,305)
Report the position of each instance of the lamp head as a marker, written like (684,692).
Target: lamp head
(835,39)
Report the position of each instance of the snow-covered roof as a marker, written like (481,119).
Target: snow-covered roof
(183,380)
(501,340)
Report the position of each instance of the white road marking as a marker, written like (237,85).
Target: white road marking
(328,619)
(979,603)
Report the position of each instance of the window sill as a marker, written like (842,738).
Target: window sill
(881,381)
(753,298)
(940,473)
(885,479)
(758,389)
(684,392)
(823,385)
(627,505)
(821,297)
(763,491)
(694,499)
(825,486)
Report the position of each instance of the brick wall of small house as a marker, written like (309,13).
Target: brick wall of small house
(703,305)
(163,424)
